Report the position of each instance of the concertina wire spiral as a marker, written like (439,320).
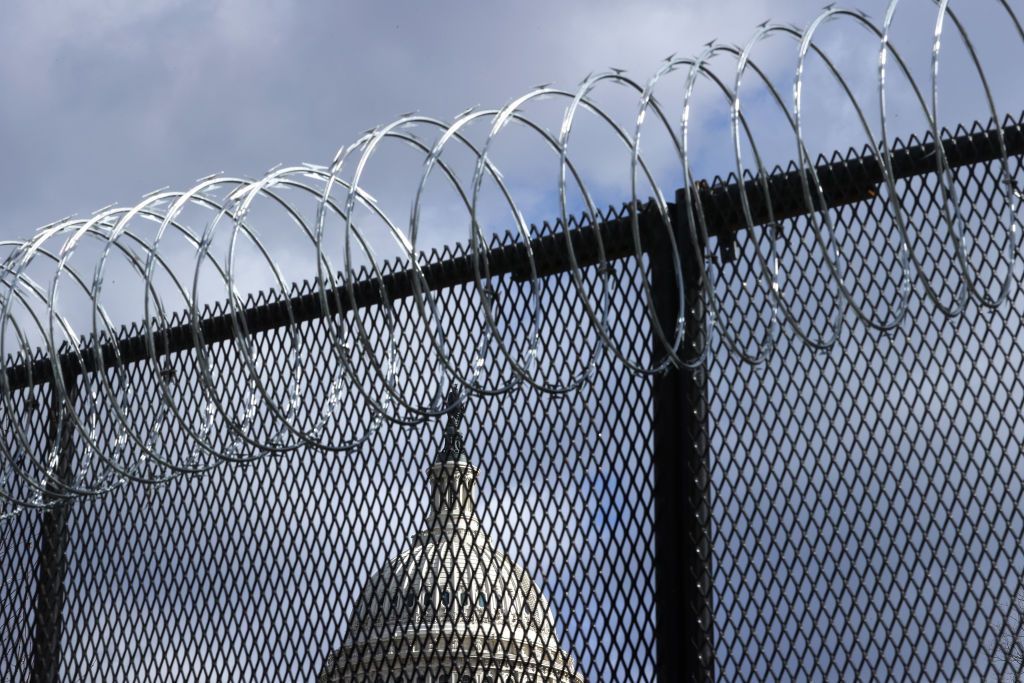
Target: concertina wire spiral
(33,477)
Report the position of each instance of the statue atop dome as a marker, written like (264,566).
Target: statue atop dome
(453,449)
(452,608)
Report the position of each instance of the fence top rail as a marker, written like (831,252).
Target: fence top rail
(842,180)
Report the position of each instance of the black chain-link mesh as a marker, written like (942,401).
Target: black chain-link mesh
(862,503)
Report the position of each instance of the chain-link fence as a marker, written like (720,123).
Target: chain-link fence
(850,514)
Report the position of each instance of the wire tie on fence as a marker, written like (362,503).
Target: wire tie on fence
(489,294)
(167,373)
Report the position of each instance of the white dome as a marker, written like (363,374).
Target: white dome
(452,608)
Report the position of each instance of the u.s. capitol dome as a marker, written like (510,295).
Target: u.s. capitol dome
(452,608)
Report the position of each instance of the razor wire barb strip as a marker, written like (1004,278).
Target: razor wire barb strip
(606,316)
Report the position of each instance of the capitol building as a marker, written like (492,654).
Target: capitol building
(453,608)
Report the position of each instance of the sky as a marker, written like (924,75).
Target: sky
(105,100)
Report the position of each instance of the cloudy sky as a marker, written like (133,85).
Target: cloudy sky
(102,101)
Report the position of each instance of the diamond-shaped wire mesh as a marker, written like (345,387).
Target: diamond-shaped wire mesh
(863,503)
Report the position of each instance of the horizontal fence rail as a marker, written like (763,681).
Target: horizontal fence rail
(842,182)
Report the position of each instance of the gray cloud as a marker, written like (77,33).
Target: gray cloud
(104,101)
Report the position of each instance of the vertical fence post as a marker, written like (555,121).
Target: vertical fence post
(53,545)
(682,519)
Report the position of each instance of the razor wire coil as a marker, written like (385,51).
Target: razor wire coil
(37,270)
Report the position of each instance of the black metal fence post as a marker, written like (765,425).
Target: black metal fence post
(682,520)
(53,545)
